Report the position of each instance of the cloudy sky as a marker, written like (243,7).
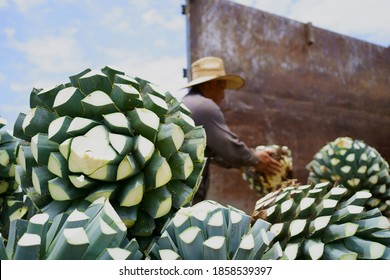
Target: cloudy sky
(43,42)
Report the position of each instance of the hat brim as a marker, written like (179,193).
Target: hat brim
(232,81)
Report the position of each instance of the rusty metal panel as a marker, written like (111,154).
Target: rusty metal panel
(305,86)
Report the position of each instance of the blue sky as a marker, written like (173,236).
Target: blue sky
(43,42)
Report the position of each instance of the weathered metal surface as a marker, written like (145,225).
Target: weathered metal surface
(297,93)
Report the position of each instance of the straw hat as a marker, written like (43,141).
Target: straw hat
(212,68)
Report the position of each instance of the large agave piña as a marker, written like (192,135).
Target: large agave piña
(13,204)
(355,165)
(264,184)
(106,134)
(97,233)
(312,222)
(211,231)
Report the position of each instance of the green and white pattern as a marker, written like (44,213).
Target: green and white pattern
(210,231)
(106,134)
(316,222)
(356,166)
(13,203)
(96,233)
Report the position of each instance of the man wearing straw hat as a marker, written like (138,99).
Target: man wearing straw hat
(209,80)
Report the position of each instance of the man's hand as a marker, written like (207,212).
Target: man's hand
(267,164)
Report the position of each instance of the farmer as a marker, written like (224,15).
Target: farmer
(209,80)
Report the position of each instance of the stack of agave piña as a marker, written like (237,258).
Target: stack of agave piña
(210,231)
(295,222)
(106,134)
(13,203)
(97,233)
(109,160)
(317,222)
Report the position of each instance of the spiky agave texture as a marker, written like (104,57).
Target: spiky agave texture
(95,233)
(12,201)
(355,165)
(264,184)
(211,231)
(313,222)
(106,134)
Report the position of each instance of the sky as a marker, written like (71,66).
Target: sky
(43,42)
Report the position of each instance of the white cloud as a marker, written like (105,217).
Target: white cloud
(161,43)
(280,7)
(357,18)
(21,87)
(3,4)
(52,54)
(2,78)
(9,31)
(165,72)
(136,4)
(349,15)
(117,20)
(155,17)
(10,111)
(24,6)
(362,19)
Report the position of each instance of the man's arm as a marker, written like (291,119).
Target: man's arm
(224,143)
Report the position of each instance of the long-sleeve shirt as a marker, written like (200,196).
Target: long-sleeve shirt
(223,146)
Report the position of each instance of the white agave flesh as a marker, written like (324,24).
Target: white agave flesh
(89,154)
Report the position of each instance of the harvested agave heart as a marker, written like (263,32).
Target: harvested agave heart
(264,184)
(106,134)
(322,222)
(13,203)
(356,166)
(96,233)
